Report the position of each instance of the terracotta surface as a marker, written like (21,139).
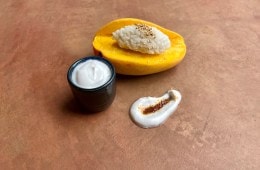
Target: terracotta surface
(217,125)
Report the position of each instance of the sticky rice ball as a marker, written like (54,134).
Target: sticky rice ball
(142,38)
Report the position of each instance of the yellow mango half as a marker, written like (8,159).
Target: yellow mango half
(129,62)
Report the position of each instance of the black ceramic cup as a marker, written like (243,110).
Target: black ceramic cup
(94,99)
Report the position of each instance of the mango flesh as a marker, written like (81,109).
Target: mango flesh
(129,62)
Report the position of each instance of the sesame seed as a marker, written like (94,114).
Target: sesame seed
(145,30)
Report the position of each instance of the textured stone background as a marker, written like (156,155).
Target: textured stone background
(217,125)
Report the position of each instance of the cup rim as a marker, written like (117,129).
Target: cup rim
(99,58)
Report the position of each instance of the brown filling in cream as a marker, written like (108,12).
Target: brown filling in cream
(158,106)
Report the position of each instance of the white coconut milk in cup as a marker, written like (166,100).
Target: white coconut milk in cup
(93,83)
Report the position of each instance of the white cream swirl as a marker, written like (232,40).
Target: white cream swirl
(149,112)
(91,74)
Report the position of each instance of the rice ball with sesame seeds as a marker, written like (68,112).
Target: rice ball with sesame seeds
(142,38)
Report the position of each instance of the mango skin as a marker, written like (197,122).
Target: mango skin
(128,62)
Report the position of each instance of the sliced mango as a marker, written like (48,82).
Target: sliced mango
(129,62)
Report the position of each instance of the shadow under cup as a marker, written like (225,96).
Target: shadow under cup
(94,99)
